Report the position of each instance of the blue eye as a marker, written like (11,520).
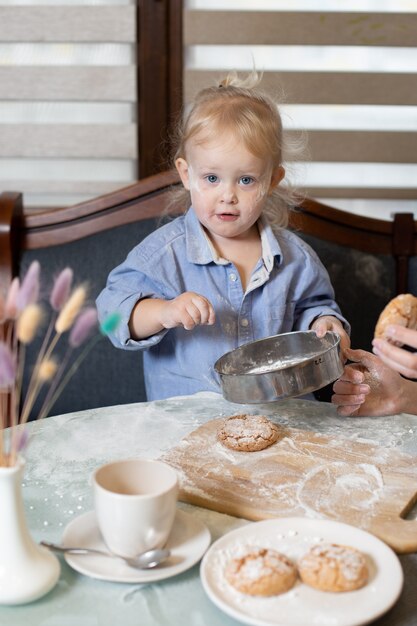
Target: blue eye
(246,180)
(212,178)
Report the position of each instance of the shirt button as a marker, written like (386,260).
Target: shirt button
(233,277)
(244,322)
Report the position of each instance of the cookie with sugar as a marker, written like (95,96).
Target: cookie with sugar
(333,567)
(261,572)
(248,433)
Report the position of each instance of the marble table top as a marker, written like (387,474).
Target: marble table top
(64,450)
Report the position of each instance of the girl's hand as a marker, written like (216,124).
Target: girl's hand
(187,310)
(327,322)
(398,359)
(369,387)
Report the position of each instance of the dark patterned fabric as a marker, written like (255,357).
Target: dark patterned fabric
(108,376)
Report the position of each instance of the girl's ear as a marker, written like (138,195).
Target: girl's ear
(276,177)
(182,169)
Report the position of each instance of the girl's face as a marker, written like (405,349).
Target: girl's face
(228,185)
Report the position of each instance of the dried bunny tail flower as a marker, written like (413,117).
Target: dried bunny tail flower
(28,323)
(29,289)
(61,289)
(22,440)
(7,366)
(83,327)
(70,310)
(10,307)
(47,370)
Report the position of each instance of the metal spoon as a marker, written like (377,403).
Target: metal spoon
(146,560)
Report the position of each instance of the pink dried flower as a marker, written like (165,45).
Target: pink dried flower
(10,308)
(22,440)
(7,367)
(61,289)
(21,317)
(29,290)
(83,327)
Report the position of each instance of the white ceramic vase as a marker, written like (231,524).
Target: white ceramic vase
(27,570)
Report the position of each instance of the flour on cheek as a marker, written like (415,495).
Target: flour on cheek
(193,181)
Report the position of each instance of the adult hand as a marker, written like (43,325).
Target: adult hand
(188,310)
(395,357)
(369,387)
(329,323)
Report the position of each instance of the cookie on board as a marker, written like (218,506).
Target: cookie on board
(248,433)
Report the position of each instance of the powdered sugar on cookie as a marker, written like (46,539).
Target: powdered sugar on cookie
(248,433)
(333,567)
(262,572)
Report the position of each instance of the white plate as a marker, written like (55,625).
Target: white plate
(303,605)
(188,541)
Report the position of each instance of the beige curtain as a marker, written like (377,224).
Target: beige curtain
(351,77)
(67,100)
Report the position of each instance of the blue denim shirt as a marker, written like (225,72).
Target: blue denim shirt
(289,288)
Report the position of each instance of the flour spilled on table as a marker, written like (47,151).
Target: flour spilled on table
(304,474)
(331,485)
(291,477)
(64,450)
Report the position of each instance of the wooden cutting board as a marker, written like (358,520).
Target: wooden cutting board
(303,474)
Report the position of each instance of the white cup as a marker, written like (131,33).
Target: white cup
(135,504)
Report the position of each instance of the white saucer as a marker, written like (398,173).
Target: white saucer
(188,541)
(303,604)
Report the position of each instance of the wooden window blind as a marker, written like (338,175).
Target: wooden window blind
(68,95)
(349,79)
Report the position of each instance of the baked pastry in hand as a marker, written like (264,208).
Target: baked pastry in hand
(401,310)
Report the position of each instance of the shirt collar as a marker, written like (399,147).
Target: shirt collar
(198,250)
(270,245)
(219,260)
(201,251)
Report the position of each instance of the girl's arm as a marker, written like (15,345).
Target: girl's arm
(327,322)
(151,315)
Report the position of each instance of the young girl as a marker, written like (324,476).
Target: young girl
(221,270)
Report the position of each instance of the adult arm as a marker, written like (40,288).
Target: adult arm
(369,387)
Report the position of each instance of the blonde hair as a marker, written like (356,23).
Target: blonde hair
(237,105)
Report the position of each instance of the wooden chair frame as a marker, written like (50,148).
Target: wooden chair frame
(396,238)
(149,198)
